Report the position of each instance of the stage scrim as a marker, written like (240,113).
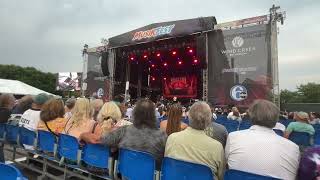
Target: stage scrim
(239,65)
(181,86)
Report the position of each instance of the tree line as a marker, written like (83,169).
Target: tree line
(305,93)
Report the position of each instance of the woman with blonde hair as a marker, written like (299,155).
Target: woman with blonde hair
(81,120)
(109,115)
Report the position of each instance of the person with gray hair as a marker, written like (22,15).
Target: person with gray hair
(259,150)
(193,145)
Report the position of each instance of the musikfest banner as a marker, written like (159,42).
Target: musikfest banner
(239,65)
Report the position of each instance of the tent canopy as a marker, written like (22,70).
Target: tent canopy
(19,88)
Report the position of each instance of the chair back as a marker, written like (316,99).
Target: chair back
(68,147)
(27,136)
(285,122)
(300,138)
(9,172)
(96,155)
(46,141)
(135,164)
(232,174)
(245,124)
(231,125)
(12,133)
(2,131)
(182,170)
(278,131)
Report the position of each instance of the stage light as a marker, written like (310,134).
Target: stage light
(195,60)
(153,78)
(164,78)
(165,64)
(180,62)
(190,50)
(153,65)
(131,58)
(145,56)
(174,52)
(158,54)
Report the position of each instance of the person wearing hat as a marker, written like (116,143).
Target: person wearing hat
(31,117)
(301,124)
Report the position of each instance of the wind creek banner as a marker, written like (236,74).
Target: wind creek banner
(97,84)
(239,65)
(182,87)
(156,31)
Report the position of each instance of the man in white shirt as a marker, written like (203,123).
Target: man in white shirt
(260,150)
(31,117)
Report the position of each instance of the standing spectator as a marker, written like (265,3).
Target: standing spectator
(129,111)
(6,105)
(81,120)
(234,114)
(260,150)
(96,105)
(301,124)
(194,145)
(52,116)
(314,118)
(173,124)
(31,117)
(68,107)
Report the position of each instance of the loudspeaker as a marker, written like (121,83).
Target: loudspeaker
(104,63)
(201,50)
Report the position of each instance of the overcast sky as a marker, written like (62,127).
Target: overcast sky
(49,34)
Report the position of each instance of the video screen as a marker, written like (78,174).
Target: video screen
(69,81)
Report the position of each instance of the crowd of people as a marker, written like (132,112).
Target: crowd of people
(171,130)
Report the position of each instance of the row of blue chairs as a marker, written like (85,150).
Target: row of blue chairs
(132,165)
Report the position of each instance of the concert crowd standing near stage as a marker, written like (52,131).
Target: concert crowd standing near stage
(193,131)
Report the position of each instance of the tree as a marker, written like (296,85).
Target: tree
(306,93)
(31,76)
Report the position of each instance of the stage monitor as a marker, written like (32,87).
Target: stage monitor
(68,81)
(180,86)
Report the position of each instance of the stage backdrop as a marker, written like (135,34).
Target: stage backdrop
(239,65)
(180,86)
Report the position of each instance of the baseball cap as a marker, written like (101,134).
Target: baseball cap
(40,98)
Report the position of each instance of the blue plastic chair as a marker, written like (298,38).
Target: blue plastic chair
(285,122)
(68,147)
(245,124)
(8,172)
(240,175)
(27,137)
(46,141)
(96,155)
(300,138)
(12,133)
(133,165)
(182,170)
(2,131)
(279,132)
(231,125)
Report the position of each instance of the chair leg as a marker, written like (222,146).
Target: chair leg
(14,153)
(65,173)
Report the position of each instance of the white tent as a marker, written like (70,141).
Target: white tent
(19,88)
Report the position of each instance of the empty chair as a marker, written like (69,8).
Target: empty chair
(240,175)
(300,138)
(279,132)
(9,172)
(96,155)
(134,165)
(182,170)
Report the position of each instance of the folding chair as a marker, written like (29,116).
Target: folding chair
(232,174)
(231,125)
(9,172)
(245,124)
(12,137)
(182,170)
(300,138)
(136,165)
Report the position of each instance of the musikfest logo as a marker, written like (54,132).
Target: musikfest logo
(100,92)
(237,50)
(238,93)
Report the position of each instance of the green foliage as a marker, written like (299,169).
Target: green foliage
(306,93)
(31,76)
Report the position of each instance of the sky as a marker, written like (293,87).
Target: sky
(49,34)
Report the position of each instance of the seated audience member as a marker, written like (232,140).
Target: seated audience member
(52,116)
(260,150)
(6,105)
(290,116)
(301,124)
(81,120)
(24,104)
(129,111)
(173,124)
(234,114)
(142,135)
(309,164)
(68,107)
(217,131)
(109,111)
(194,145)
(314,118)
(96,105)
(30,118)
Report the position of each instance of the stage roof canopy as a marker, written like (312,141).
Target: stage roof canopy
(19,88)
(163,30)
